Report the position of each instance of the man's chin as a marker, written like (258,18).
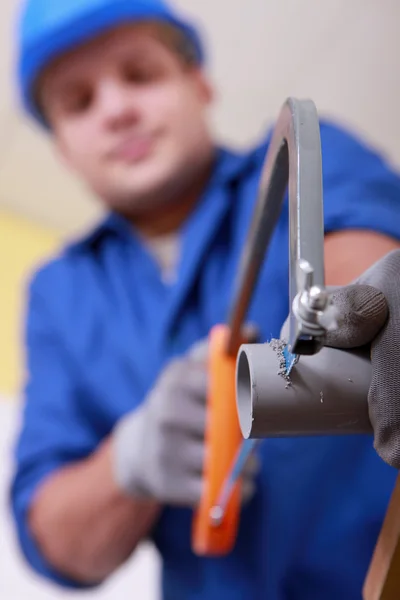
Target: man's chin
(144,182)
(137,200)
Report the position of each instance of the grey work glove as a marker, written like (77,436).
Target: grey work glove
(159,447)
(370,310)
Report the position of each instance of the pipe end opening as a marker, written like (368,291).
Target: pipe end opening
(244,393)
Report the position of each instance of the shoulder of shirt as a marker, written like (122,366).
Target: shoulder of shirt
(51,274)
(58,270)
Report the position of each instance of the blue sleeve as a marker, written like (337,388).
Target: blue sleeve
(361,191)
(53,432)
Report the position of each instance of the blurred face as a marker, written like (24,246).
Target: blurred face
(128,115)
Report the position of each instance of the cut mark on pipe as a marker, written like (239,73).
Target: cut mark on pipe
(278,346)
(286,360)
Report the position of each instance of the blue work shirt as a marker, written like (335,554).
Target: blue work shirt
(101,325)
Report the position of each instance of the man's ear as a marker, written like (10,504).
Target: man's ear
(204,86)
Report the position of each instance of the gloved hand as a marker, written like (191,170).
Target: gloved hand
(159,447)
(370,310)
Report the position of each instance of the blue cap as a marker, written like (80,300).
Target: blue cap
(48,28)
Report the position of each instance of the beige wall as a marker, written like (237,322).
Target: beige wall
(23,245)
(343,54)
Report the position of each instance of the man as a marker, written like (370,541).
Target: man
(111,445)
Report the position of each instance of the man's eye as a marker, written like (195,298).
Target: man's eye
(140,74)
(78,102)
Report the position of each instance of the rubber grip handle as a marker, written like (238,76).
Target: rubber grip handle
(222,439)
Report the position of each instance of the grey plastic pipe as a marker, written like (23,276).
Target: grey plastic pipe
(325,394)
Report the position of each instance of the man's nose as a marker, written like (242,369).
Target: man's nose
(116,104)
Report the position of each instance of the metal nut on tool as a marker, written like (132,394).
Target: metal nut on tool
(314,310)
(318,298)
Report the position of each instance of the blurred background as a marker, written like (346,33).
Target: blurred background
(344,55)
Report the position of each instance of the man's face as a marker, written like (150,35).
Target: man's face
(129,116)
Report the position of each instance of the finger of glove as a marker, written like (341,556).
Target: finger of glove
(182,454)
(362,311)
(198,353)
(181,413)
(183,477)
(179,401)
(174,465)
(183,490)
(186,375)
(384,405)
(128,445)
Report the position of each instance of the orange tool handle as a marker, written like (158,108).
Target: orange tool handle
(223,439)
